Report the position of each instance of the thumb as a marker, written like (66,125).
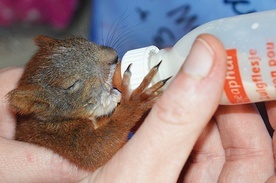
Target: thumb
(161,146)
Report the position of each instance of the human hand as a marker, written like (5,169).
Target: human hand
(234,147)
(158,150)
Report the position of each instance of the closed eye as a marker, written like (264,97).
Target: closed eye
(74,86)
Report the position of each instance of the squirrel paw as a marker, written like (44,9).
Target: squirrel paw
(143,97)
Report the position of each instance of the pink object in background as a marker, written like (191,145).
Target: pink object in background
(55,13)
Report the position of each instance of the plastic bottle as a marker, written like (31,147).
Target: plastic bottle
(249,41)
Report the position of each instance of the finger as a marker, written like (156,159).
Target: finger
(247,145)
(8,81)
(23,162)
(159,149)
(271,112)
(207,157)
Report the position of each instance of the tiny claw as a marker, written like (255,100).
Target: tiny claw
(157,66)
(165,80)
(128,68)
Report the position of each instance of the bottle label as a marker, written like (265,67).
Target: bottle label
(251,75)
(233,86)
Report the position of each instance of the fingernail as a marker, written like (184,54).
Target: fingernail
(200,59)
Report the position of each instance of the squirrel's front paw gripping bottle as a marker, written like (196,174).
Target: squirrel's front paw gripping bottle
(250,42)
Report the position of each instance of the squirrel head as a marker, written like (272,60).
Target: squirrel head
(67,78)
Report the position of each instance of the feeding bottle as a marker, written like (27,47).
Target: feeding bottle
(249,41)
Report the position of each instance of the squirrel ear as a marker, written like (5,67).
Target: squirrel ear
(43,40)
(25,100)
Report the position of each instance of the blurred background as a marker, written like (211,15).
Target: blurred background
(22,20)
(122,24)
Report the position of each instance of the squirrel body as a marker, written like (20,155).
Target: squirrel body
(66,101)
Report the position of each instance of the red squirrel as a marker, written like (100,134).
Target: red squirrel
(71,99)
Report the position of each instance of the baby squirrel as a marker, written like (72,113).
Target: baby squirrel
(66,100)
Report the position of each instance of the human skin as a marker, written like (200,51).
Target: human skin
(233,147)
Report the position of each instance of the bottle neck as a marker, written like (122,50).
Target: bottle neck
(142,60)
(140,64)
(172,60)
